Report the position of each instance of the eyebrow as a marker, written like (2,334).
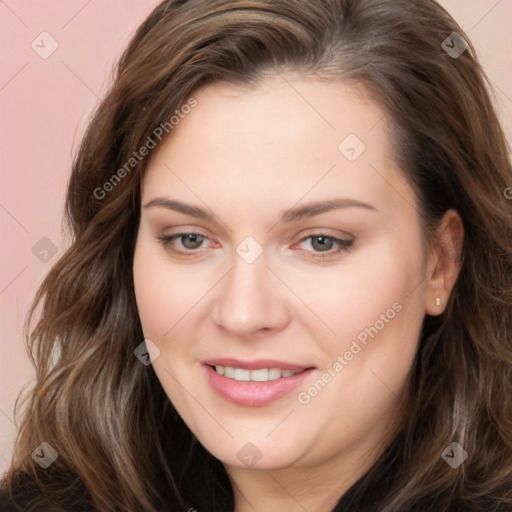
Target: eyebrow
(294,214)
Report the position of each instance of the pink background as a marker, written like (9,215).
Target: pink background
(45,105)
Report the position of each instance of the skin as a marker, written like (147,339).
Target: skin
(246,155)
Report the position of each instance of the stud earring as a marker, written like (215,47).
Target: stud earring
(438,301)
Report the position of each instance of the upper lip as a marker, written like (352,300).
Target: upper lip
(255,364)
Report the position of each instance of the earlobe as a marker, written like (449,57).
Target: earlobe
(445,262)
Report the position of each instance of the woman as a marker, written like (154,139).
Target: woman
(297,212)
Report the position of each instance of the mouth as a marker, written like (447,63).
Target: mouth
(255,383)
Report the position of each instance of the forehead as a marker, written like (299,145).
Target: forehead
(277,112)
(276,141)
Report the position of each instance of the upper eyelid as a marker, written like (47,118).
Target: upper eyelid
(338,240)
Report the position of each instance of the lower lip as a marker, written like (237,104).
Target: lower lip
(254,394)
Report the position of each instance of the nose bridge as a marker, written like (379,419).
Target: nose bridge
(245,278)
(250,299)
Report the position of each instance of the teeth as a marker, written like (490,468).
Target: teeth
(261,375)
(241,374)
(274,373)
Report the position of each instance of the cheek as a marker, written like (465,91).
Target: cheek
(154,304)
(376,310)
(165,296)
(167,302)
(364,293)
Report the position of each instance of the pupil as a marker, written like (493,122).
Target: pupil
(325,243)
(192,241)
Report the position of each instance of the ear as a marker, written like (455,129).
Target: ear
(444,262)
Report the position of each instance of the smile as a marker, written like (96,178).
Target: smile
(254,384)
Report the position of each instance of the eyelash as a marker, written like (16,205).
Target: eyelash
(343,245)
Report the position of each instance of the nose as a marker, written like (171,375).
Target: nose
(251,300)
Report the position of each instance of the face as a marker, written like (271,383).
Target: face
(277,248)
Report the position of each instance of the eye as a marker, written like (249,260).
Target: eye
(323,244)
(190,244)
(186,244)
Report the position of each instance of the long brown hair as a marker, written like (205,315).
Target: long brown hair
(120,443)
